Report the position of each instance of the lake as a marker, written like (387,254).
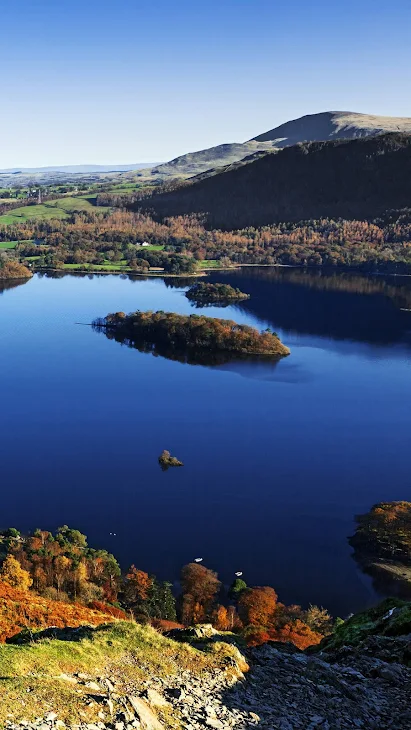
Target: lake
(278,458)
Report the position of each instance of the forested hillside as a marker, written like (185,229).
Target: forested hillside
(360,178)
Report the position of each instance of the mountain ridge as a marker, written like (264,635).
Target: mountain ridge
(317,127)
(333,125)
(352,179)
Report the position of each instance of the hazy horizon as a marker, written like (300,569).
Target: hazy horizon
(152,82)
(25,168)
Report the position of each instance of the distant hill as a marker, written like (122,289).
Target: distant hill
(310,128)
(195,163)
(80,169)
(357,178)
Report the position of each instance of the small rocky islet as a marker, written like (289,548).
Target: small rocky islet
(166,460)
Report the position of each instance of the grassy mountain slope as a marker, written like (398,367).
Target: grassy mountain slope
(333,125)
(358,178)
(195,163)
(38,676)
(60,208)
(310,128)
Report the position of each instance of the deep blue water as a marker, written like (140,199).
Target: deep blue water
(278,458)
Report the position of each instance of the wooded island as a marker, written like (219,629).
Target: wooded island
(193,332)
(209,293)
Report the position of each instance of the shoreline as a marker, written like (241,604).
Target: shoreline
(209,270)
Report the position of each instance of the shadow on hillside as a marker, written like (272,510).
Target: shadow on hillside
(65,634)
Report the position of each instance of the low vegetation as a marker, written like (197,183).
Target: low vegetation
(390,618)
(28,613)
(193,332)
(37,677)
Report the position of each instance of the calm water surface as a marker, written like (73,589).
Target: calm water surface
(278,458)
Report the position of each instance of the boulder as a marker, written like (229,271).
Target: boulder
(144,713)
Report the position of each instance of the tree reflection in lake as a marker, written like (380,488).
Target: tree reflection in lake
(190,356)
(343,306)
(6,284)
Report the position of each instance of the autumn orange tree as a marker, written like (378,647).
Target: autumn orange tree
(14,575)
(62,564)
(200,586)
(136,589)
(384,532)
(257,605)
(147,597)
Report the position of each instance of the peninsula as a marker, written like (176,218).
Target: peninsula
(382,546)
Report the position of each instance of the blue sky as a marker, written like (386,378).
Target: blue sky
(124,81)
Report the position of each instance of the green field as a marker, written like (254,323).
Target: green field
(123,187)
(209,264)
(8,244)
(117,266)
(60,208)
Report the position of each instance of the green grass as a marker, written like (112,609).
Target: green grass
(372,622)
(105,266)
(60,208)
(109,266)
(30,674)
(209,264)
(8,244)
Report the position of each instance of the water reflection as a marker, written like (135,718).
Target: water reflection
(189,356)
(283,454)
(342,306)
(388,579)
(6,284)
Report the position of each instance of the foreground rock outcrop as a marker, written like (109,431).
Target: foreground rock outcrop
(360,677)
(285,689)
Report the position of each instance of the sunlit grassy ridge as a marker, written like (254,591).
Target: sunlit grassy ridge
(60,208)
(33,677)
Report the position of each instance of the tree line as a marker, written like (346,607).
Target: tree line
(382,244)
